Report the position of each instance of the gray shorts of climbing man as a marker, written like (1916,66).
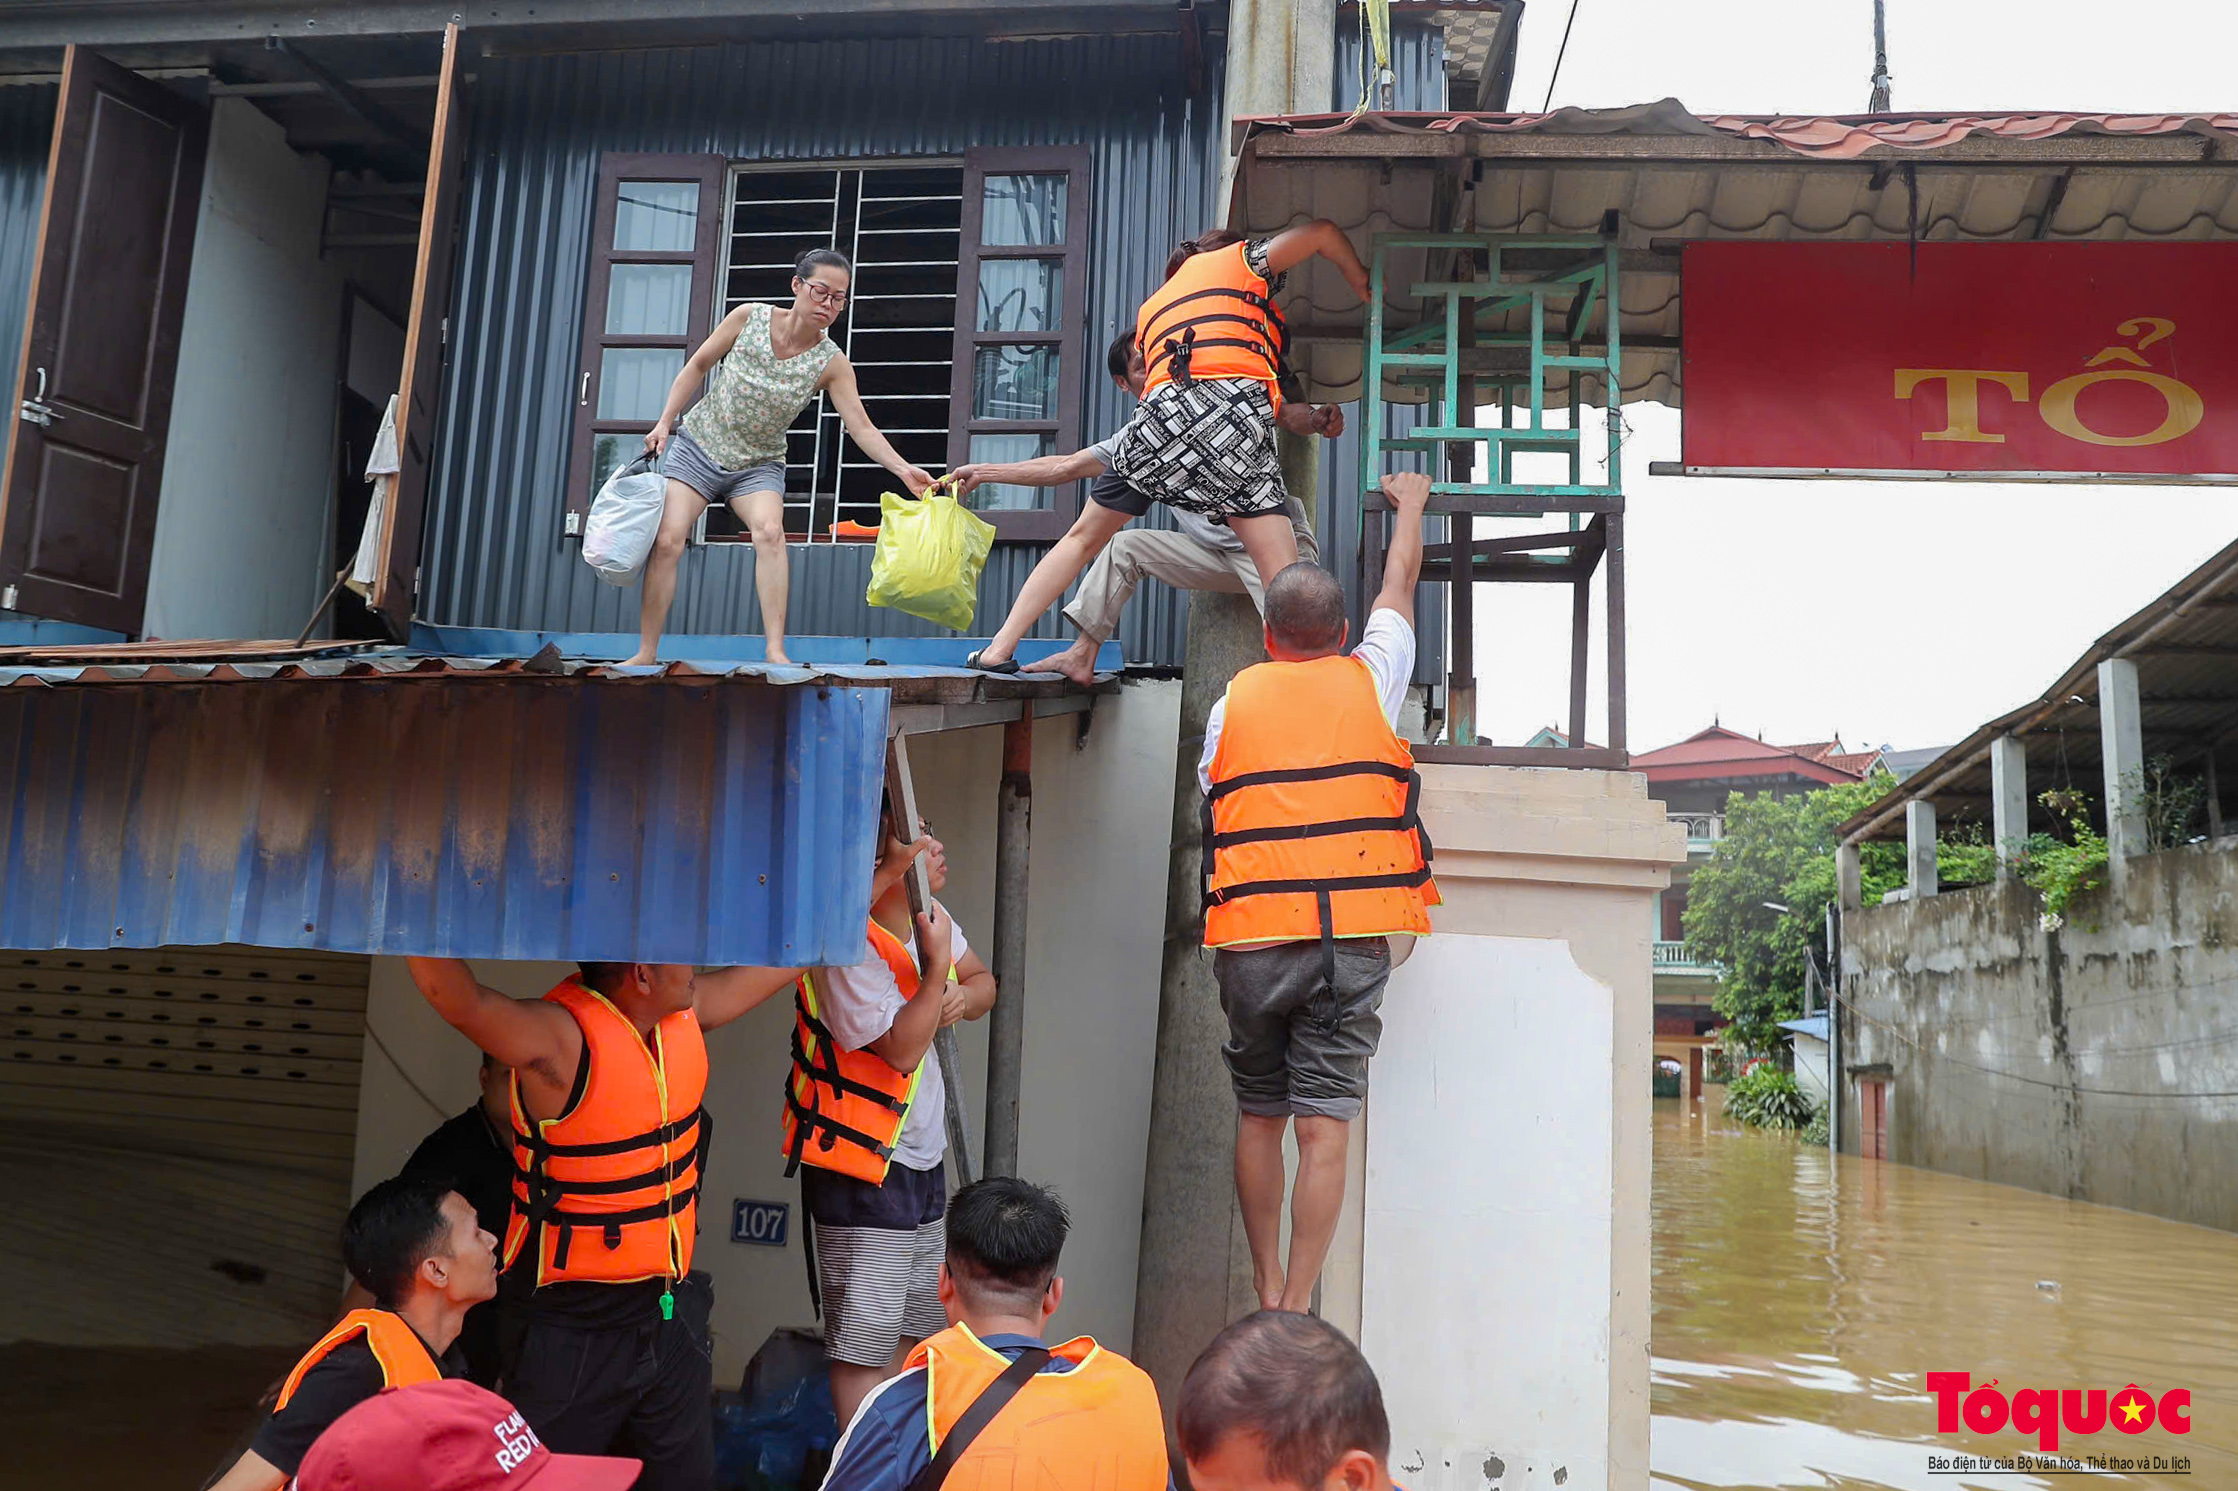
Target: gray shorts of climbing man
(1297,1045)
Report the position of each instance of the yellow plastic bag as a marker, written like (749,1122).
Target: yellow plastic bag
(930,551)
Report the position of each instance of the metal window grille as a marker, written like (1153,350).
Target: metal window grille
(900,223)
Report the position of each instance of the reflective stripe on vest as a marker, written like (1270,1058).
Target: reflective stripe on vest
(621,1167)
(1311,828)
(1212,319)
(844,1109)
(396,1346)
(1094,1428)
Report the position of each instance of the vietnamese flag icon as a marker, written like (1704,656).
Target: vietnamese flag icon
(2132,1410)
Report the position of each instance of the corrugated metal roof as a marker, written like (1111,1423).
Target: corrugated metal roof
(1668,174)
(2185,646)
(703,822)
(26,128)
(495,554)
(470,653)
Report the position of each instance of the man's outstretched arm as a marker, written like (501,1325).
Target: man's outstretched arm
(521,1033)
(727,993)
(1409,492)
(1041,471)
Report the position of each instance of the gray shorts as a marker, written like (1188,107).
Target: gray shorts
(687,461)
(1296,1045)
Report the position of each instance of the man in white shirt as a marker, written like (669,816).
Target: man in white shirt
(879,1246)
(1195,554)
(1316,864)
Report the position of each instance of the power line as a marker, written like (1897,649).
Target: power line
(375,1037)
(1559,54)
(2099,1092)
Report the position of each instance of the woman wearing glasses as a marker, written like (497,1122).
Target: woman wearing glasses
(766,362)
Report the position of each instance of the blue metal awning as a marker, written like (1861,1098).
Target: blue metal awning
(504,814)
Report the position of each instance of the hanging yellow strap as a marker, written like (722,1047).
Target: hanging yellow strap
(1375,51)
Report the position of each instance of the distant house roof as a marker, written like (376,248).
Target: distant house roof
(1907,763)
(1813,1026)
(1719,754)
(1550,738)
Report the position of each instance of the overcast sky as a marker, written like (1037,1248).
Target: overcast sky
(1894,612)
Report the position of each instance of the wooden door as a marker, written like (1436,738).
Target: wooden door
(656,241)
(1872,1109)
(426,332)
(93,400)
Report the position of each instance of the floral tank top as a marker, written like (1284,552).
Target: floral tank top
(754,395)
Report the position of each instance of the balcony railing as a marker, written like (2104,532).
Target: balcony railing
(1675,955)
(1701,828)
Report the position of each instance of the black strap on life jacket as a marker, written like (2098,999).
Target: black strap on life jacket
(828,1131)
(968,1426)
(542,1199)
(1321,888)
(823,1069)
(1269,337)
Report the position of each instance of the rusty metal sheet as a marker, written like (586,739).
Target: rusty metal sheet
(522,817)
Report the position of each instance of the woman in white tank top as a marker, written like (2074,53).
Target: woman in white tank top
(762,366)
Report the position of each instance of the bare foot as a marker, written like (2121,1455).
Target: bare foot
(1077,662)
(778,660)
(1269,1289)
(638,659)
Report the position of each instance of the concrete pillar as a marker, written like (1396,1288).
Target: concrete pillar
(2122,742)
(1194,1270)
(1919,847)
(1849,878)
(2008,790)
(1507,1194)
(1281,60)
(1194,1274)
(1006,1022)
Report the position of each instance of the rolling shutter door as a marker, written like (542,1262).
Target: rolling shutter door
(178,1124)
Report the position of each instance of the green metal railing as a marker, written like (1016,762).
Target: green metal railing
(1448,352)
(1509,315)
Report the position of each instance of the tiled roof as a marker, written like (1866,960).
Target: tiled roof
(1668,176)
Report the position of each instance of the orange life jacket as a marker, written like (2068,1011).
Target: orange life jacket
(621,1165)
(1311,828)
(844,1109)
(396,1346)
(1094,1428)
(1213,319)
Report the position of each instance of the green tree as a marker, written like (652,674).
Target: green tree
(1781,850)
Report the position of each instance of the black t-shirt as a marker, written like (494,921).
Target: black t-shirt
(344,1378)
(468,1155)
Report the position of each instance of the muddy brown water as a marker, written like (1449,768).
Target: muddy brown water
(1799,1304)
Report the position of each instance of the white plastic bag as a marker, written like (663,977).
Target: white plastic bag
(624,519)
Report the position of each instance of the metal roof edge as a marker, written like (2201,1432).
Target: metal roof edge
(2079,679)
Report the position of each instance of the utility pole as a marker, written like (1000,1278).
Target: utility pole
(1881,80)
(1834,1030)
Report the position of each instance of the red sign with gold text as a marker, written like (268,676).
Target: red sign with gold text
(1992,361)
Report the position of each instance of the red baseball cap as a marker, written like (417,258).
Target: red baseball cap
(448,1436)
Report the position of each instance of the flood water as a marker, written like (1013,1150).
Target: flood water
(1800,1302)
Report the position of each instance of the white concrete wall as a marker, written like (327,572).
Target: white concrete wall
(1096,911)
(1490,1181)
(1810,1067)
(243,544)
(1501,1252)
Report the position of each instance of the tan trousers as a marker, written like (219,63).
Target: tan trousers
(1177,559)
